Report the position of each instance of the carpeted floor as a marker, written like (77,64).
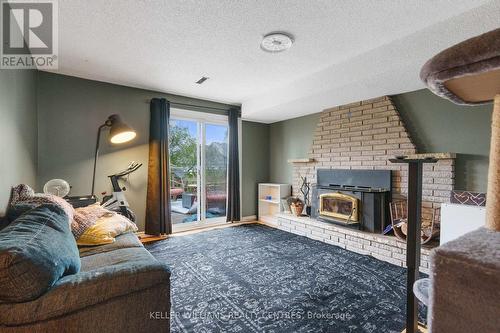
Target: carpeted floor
(253,278)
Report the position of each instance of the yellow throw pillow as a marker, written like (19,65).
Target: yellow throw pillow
(105,230)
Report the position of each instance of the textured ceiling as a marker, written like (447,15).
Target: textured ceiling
(344,50)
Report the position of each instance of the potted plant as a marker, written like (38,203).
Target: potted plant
(296,206)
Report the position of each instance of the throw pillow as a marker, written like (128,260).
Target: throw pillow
(36,250)
(24,194)
(86,217)
(3,222)
(17,210)
(105,230)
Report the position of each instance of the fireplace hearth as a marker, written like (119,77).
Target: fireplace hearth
(353,198)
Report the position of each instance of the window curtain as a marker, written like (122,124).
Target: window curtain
(233,190)
(158,219)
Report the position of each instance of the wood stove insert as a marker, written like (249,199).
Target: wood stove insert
(339,205)
(353,198)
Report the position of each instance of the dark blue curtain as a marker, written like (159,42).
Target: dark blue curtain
(158,219)
(233,190)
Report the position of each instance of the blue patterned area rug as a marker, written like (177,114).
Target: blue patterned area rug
(253,278)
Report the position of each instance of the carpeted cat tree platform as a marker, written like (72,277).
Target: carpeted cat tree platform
(464,293)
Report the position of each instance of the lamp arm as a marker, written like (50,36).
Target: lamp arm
(106,124)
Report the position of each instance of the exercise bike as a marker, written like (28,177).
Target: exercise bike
(117,201)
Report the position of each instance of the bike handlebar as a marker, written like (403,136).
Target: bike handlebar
(133,166)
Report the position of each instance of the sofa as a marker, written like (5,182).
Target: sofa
(120,287)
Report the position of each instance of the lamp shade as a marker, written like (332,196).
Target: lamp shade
(119,132)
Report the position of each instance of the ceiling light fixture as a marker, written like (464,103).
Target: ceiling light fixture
(276,42)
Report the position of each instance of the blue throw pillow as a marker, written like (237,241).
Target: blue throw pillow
(4,221)
(16,210)
(36,250)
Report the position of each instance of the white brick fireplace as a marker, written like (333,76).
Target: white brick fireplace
(365,135)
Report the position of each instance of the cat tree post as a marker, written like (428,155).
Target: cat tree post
(493,195)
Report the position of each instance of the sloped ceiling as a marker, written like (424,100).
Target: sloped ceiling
(344,50)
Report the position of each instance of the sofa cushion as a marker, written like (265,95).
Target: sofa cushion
(36,250)
(104,276)
(13,212)
(16,210)
(123,241)
(3,222)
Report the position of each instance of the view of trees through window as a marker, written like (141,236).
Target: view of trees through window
(183,141)
(182,146)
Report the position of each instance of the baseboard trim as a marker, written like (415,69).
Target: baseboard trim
(250,218)
(209,227)
(145,238)
(203,227)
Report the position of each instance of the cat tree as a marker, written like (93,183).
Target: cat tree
(465,273)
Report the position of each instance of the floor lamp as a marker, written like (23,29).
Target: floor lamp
(119,132)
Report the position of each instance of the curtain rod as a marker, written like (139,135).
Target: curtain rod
(199,106)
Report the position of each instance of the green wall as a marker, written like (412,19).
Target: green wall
(70,110)
(435,125)
(18,130)
(289,139)
(438,125)
(49,125)
(254,164)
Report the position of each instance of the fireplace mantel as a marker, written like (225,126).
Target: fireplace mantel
(300,160)
(436,156)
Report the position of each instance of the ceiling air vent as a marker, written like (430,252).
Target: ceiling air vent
(203,79)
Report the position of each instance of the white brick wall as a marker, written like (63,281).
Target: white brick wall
(384,248)
(364,135)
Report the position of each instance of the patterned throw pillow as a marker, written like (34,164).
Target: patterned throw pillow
(105,230)
(86,217)
(80,219)
(23,194)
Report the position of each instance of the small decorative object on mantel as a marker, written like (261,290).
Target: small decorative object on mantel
(305,188)
(296,206)
(468,198)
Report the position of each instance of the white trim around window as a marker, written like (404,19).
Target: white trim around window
(198,116)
